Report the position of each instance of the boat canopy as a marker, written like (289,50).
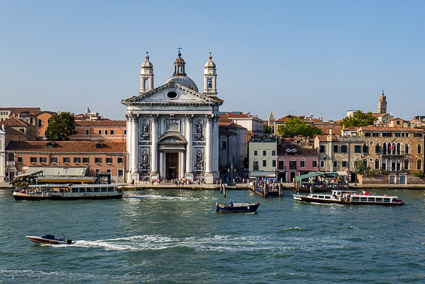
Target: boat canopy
(315,174)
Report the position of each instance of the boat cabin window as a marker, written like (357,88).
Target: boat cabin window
(104,189)
(363,199)
(378,199)
(371,199)
(110,189)
(75,189)
(90,189)
(387,199)
(97,189)
(327,197)
(355,199)
(82,190)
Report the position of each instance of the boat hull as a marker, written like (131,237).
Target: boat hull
(22,196)
(252,207)
(304,198)
(41,240)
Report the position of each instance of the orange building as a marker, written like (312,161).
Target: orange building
(99,157)
(110,130)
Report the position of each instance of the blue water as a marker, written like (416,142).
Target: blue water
(178,237)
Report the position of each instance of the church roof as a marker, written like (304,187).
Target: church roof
(183,80)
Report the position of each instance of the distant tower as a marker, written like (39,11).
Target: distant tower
(210,78)
(146,76)
(382,103)
(271,121)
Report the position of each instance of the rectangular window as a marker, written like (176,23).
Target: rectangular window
(281,165)
(314,164)
(357,149)
(376,164)
(375,134)
(119,160)
(273,153)
(100,132)
(274,163)
(223,145)
(302,164)
(416,134)
(397,134)
(19,159)
(108,171)
(322,163)
(120,173)
(53,160)
(39,123)
(322,148)
(125,132)
(86,160)
(336,149)
(343,148)
(255,166)
(387,134)
(106,131)
(335,164)
(112,132)
(98,160)
(33,159)
(97,171)
(43,159)
(344,164)
(77,160)
(264,163)
(292,165)
(109,160)
(264,153)
(367,134)
(87,132)
(255,153)
(65,159)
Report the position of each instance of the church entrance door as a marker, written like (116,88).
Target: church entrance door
(172,165)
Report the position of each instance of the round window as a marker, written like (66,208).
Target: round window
(172,95)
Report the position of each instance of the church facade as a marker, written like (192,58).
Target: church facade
(172,130)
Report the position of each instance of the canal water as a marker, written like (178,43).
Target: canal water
(173,236)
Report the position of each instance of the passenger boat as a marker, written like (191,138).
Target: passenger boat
(48,239)
(238,207)
(69,192)
(349,197)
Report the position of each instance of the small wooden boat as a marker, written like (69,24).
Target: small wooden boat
(238,207)
(48,239)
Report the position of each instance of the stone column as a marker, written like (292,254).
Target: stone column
(154,147)
(132,146)
(162,164)
(209,178)
(189,153)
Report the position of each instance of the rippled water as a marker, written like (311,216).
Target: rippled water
(178,237)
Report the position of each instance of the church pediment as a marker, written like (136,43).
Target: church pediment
(172,138)
(172,93)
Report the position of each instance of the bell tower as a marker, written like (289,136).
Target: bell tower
(210,78)
(146,76)
(382,103)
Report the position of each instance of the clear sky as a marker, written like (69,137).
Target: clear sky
(299,57)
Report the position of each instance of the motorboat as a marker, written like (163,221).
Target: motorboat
(237,207)
(48,239)
(69,191)
(349,197)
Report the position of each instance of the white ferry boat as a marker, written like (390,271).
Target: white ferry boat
(69,191)
(349,197)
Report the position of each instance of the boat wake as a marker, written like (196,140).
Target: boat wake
(161,197)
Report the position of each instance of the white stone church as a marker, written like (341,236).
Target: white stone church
(172,130)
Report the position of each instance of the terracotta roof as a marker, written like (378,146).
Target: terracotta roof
(325,129)
(67,147)
(237,115)
(97,123)
(285,118)
(12,132)
(14,122)
(325,137)
(17,110)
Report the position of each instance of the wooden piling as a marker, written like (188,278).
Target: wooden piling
(224,190)
(280,190)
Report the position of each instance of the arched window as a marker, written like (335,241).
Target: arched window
(398,149)
(406,149)
(384,148)
(376,164)
(419,149)
(384,165)
(377,148)
(145,84)
(406,164)
(419,165)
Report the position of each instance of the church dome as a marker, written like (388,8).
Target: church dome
(180,76)
(147,63)
(183,80)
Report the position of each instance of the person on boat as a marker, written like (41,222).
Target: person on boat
(230,203)
(62,237)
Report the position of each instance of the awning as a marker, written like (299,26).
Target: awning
(27,174)
(315,174)
(11,169)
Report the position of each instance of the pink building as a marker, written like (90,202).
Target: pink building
(294,160)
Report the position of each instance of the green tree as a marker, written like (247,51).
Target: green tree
(361,167)
(294,126)
(358,119)
(267,129)
(61,127)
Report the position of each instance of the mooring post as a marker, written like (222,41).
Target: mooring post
(280,190)
(224,190)
(265,190)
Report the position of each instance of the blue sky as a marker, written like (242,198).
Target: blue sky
(299,57)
